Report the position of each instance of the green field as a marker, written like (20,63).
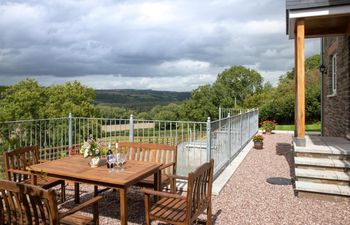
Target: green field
(141,100)
(308,127)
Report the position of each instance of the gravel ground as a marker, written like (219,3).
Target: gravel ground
(247,198)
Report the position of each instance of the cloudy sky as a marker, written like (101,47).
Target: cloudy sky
(162,45)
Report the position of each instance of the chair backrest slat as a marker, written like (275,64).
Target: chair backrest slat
(35,212)
(159,153)
(20,159)
(199,190)
(27,204)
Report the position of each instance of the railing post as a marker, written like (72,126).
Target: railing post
(131,129)
(208,140)
(241,124)
(70,138)
(229,137)
(250,133)
(257,120)
(220,117)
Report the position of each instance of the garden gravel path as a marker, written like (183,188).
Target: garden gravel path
(247,198)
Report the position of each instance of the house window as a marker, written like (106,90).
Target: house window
(334,75)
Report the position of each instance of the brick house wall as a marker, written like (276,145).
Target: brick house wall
(336,108)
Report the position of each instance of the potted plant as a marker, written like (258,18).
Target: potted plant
(258,141)
(268,126)
(93,149)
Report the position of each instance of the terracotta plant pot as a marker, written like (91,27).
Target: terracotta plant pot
(258,145)
(268,132)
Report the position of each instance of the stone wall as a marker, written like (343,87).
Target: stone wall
(336,114)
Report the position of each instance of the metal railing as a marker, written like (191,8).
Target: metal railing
(229,136)
(59,137)
(226,112)
(197,142)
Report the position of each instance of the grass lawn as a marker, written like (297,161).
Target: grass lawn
(309,127)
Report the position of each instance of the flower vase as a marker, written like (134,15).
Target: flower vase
(94,161)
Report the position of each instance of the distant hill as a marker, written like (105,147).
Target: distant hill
(140,100)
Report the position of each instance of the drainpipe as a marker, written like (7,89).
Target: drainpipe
(321,87)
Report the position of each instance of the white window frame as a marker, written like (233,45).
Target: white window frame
(334,74)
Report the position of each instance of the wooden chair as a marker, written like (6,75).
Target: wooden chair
(178,209)
(16,163)
(159,153)
(28,204)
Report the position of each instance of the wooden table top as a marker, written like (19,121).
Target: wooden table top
(77,167)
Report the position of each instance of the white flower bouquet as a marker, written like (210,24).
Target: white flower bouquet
(92,148)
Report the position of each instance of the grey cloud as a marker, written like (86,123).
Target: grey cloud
(73,39)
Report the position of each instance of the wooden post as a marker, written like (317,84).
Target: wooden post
(300,83)
(295,89)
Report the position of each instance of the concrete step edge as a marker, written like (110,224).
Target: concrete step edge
(322,162)
(322,174)
(322,188)
(325,151)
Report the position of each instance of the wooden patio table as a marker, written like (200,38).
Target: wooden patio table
(76,168)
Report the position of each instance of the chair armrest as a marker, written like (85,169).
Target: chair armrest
(23,172)
(178,177)
(161,194)
(167,165)
(81,206)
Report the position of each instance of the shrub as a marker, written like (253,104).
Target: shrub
(268,125)
(258,138)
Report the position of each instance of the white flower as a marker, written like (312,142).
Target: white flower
(86,153)
(97,151)
(86,145)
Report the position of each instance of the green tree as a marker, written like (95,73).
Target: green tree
(113,112)
(28,100)
(237,83)
(24,100)
(143,116)
(169,112)
(70,97)
(278,103)
(201,105)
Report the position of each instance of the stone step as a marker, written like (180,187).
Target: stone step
(322,162)
(322,174)
(328,150)
(322,188)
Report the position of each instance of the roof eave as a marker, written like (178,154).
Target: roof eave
(293,15)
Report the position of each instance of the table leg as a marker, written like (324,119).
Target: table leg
(123,206)
(34,179)
(76,193)
(95,190)
(157,182)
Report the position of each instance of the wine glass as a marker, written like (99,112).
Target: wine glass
(118,161)
(123,159)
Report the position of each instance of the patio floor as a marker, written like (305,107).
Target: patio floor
(248,197)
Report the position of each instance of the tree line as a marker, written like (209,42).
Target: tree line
(235,87)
